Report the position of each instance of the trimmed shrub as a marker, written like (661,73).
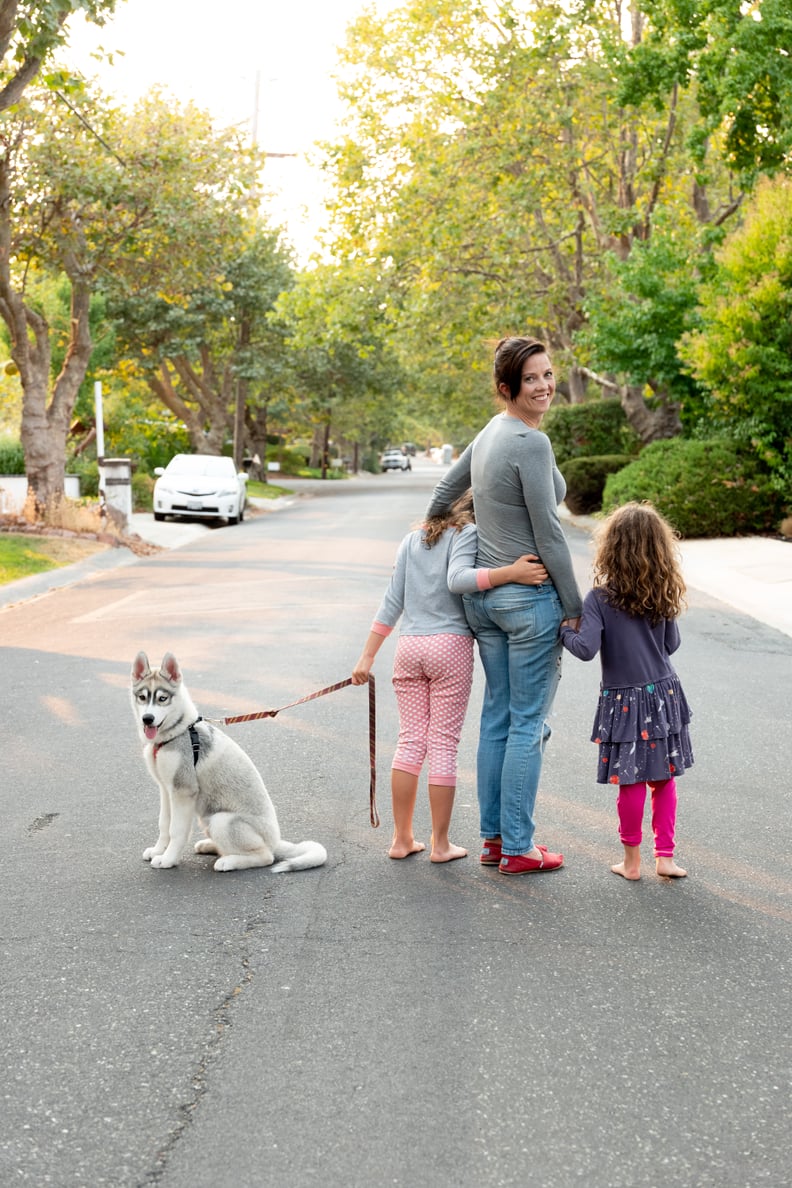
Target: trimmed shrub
(589,430)
(703,488)
(12,458)
(585,480)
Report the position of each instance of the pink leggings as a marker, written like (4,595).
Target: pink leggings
(432,677)
(630,807)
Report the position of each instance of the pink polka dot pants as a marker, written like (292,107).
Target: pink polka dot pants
(432,678)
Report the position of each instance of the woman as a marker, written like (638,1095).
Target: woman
(516,491)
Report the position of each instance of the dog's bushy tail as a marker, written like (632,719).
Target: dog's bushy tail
(298,856)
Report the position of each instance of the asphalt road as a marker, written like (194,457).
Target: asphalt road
(375,1022)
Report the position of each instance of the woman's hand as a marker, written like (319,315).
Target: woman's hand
(573,623)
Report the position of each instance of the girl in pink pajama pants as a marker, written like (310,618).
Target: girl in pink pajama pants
(433,665)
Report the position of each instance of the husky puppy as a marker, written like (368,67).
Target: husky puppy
(202,773)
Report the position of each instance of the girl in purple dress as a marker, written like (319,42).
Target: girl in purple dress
(641,725)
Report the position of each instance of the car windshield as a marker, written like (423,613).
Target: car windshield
(201,464)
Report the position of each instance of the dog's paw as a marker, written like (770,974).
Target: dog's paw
(206,846)
(162,862)
(228,862)
(150,853)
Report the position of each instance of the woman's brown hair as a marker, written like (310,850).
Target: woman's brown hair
(637,563)
(510,356)
(458,515)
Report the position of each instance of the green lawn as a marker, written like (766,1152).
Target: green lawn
(22,556)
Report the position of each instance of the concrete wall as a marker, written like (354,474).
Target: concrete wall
(13,491)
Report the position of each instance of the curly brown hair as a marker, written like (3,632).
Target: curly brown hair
(637,563)
(458,515)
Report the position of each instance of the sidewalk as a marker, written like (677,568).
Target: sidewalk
(753,574)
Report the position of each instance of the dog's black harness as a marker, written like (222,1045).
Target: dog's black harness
(195,740)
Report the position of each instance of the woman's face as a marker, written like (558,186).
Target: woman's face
(536,390)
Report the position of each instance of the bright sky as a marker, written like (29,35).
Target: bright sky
(213,53)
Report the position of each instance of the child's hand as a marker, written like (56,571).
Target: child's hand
(360,673)
(573,623)
(529,571)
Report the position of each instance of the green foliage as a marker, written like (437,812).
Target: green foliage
(637,317)
(31,30)
(742,350)
(734,55)
(142,490)
(291,460)
(344,370)
(703,488)
(592,429)
(491,172)
(12,457)
(585,479)
(88,470)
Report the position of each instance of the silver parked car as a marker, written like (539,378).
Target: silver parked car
(200,486)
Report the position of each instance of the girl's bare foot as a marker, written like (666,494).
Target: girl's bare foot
(627,872)
(669,868)
(448,854)
(404,849)
(630,867)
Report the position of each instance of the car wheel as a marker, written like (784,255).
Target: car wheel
(158,516)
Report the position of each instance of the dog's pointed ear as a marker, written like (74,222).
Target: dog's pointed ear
(140,666)
(170,668)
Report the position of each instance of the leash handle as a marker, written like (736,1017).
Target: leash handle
(374,816)
(372,705)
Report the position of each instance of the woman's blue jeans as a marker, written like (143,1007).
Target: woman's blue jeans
(516,628)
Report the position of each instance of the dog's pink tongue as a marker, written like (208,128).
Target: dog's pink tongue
(150,731)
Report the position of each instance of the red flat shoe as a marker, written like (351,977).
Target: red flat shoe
(519,864)
(492,852)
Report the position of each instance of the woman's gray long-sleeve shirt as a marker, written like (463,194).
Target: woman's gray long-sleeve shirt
(516,491)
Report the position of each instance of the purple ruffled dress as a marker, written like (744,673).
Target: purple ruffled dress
(642,718)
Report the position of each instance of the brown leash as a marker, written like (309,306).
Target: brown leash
(372,716)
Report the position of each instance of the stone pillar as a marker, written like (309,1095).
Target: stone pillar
(115,484)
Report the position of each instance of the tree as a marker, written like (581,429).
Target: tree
(742,349)
(736,57)
(635,321)
(344,375)
(212,348)
(29,32)
(111,202)
(497,166)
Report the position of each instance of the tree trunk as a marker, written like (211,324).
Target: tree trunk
(651,424)
(325,450)
(317,446)
(45,418)
(256,429)
(209,423)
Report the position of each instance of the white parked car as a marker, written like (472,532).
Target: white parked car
(200,486)
(395,460)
